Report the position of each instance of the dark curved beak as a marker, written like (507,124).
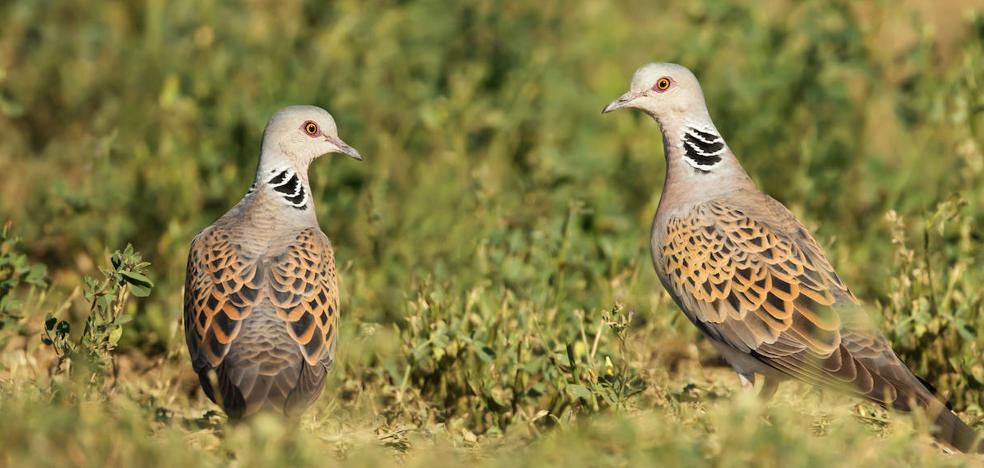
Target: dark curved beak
(622,101)
(344,148)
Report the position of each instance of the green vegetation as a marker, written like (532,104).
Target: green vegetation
(499,304)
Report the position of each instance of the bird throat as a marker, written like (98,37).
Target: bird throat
(702,148)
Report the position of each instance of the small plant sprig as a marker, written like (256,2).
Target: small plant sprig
(107,301)
(621,381)
(15,270)
(605,385)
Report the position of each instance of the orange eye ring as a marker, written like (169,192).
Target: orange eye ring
(311,128)
(662,84)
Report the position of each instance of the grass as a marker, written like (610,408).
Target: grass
(499,304)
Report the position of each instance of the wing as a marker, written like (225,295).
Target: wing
(304,291)
(766,289)
(221,287)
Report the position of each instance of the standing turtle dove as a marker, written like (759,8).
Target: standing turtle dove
(261,292)
(747,273)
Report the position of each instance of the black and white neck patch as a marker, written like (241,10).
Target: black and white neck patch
(702,149)
(287,184)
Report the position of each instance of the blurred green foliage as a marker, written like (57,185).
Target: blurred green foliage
(495,240)
(16,272)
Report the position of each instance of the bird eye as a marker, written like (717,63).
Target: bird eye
(662,84)
(311,128)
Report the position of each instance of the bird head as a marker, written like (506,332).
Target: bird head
(671,94)
(664,91)
(304,133)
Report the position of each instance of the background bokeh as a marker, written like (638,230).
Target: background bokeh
(498,295)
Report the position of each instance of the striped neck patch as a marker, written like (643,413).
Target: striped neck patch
(288,185)
(702,149)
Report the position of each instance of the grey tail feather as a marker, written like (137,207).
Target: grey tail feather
(950,430)
(205,378)
(245,391)
(954,432)
(233,401)
(228,396)
(309,385)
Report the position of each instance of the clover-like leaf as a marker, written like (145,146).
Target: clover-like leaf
(140,285)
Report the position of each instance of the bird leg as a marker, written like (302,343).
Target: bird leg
(747,381)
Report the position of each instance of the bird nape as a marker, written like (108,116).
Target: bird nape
(752,278)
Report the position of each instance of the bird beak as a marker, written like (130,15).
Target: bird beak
(344,148)
(622,101)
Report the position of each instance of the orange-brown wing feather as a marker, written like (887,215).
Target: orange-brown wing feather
(770,292)
(221,287)
(304,290)
(731,270)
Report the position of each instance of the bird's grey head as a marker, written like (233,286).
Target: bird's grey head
(671,94)
(665,91)
(302,134)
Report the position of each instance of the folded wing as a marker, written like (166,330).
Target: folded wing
(766,289)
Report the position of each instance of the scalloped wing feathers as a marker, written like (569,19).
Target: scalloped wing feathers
(267,324)
(766,289)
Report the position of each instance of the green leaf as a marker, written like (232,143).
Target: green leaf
(134,277)
(36,276)
(485,353)
(140,284)
(91,286)
(123,319)
(139,291)
(115,334)
(579,391)
(106,302)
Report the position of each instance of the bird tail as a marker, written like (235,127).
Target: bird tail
(949,429)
